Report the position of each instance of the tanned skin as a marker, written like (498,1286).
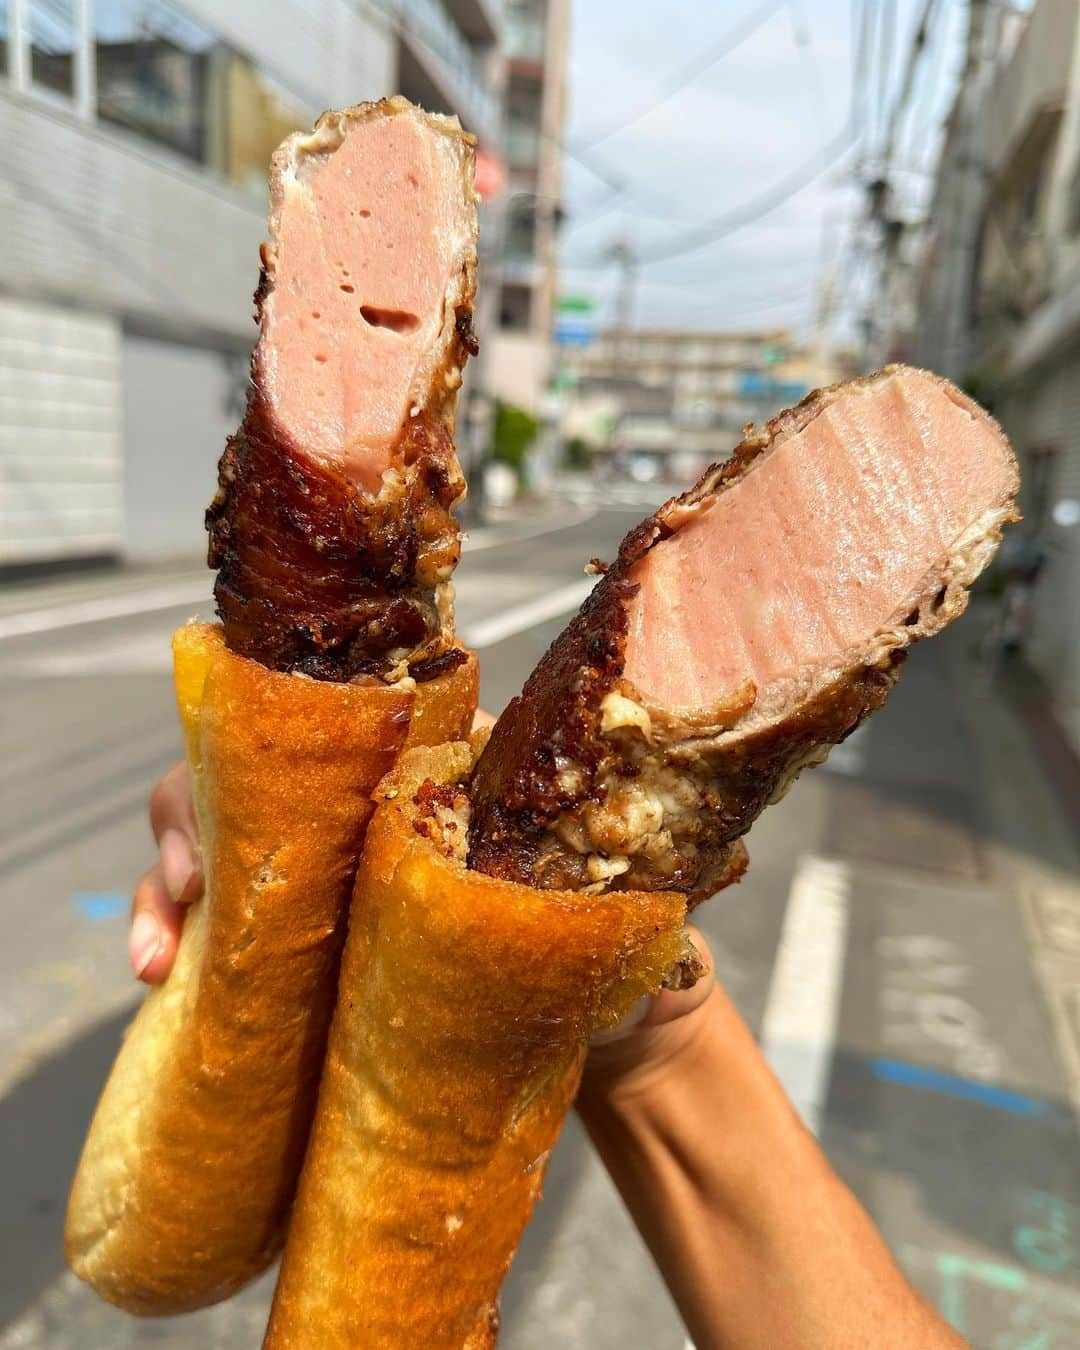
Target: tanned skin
(761,1244)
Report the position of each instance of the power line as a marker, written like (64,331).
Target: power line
(918,46)
(802,176)
(677,80)
(886,45)
(802,36)
(757,207)
(670,85)
(936,71)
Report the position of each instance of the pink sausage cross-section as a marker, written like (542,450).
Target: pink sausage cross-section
(744,629)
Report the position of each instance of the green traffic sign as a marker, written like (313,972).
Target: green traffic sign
(576,304)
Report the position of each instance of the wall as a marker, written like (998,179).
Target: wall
(91,216)
(1042,414)
(518,365)
(104,232)
(180,403)
(61,492)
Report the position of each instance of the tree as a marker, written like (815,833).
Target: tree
(515,431)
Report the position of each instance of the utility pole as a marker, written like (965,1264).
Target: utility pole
(622,254)
(963,180)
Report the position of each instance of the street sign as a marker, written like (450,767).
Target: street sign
(489,174)
(574,333)
(576,304)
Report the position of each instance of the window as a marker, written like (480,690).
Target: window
(1074,202)
(154,72)
(515,309)
(52,45)
(164,75)
(1038,487)
(521,229)
(259,114)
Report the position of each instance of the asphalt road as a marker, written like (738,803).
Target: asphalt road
(907,945)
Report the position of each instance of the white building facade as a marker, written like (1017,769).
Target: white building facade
(134,142)
(1023,318)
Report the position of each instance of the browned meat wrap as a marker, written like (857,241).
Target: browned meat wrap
(744,629)
(332,530)
(335,547)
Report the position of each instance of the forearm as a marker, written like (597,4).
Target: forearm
(759,1241)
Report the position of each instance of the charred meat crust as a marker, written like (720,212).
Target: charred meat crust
(316,577)
(548,755)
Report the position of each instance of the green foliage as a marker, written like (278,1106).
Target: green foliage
(515,431)
(577,453)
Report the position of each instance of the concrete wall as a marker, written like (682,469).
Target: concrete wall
(180,403)
(333,52)
(104,232)
(61,460)
(98,220)
(1044,414)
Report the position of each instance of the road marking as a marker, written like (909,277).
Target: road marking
(104,607)
(849,756)
(799,1025)
(950,1085)
(97,906)
(132,654)
(488,632)
(476,541)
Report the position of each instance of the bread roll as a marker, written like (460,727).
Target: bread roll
(190,1165)
(464,1008)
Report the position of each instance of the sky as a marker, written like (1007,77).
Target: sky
(747,123)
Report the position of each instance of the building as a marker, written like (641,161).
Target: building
(520,351)
(135,138)
(671,402)
(1021,323)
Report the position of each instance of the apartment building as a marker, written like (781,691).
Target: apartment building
(134,140)
(1022,323)
(537,33)
(681,399)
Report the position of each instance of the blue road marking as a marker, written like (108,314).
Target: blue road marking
(949,1085)
(100,905)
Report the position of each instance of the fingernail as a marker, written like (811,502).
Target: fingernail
(636,1015)
(177,862)
(145,941)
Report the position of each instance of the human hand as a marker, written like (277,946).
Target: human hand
(175,880)
(652,1036)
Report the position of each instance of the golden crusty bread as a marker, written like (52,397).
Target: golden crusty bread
(464,1006)
(191,1161)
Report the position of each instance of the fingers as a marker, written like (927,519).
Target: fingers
(175,880)
(656,1010)
(654,1032)
(156,920)
(172,819)
(482,720)
(671,1004)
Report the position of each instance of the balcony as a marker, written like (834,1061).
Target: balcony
(526,38)
(1032,85)
(438,68)
(522,145)
(480,20)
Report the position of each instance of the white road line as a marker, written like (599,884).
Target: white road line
(100,608)
(476,541)
(132,654)
(104,607)
(487,632)
(799,1025)
(849,756)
